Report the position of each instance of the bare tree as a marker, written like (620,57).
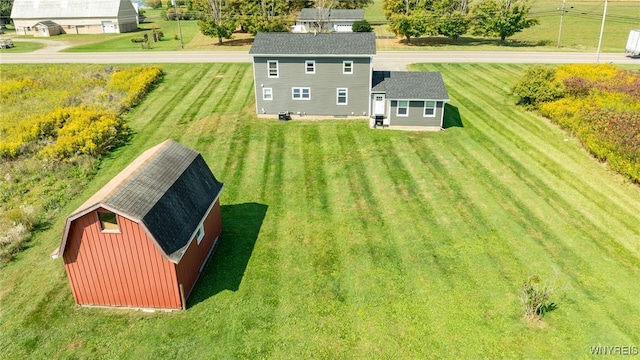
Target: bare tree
(323,15)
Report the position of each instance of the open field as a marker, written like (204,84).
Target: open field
(345,242)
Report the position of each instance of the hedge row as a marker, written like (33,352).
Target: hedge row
(600,104)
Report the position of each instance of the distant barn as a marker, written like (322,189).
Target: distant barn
(52,17)
(143,239)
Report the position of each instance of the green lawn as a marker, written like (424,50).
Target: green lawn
(345,242)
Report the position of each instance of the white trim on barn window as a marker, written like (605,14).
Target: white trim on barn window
(108,221)
(267,94)
(301,93)
(309,66)
(347,67)
(429,109)
(342,96)
(402,108)
(272,69)
(200,233)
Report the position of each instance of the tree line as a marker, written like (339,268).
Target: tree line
(454,18)
(406,18)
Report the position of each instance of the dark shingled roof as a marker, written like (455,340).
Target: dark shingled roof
(311,14)
(314,44)
(48,23)
(169,188)
(410,85)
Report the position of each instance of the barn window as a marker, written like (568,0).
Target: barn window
(108,221)
(200,233)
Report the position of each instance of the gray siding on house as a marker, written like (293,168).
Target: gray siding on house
(324,83)
(416,115)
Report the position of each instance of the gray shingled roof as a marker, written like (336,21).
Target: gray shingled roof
(55,9)
(169,188)
(311,14)
(410,85)
(314,44)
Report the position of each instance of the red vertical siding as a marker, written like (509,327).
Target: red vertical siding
(118,269)
(188,269)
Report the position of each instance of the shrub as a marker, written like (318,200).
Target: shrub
(137,40)
(538,84)
(155,4)
(536,298)
(361,26)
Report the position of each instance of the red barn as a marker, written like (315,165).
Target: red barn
(142,240)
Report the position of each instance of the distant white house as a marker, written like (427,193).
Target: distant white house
(73,17)
(321,20)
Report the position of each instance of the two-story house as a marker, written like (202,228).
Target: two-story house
(331,75)
(313,74)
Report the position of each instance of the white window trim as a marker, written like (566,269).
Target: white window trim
(306,66)
(398,108)
(102,227)
(346,96)
(293,89)
(344,67)
(435,106)
(264,93)
(200,233)
(269,62)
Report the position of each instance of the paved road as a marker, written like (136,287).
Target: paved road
(391,60)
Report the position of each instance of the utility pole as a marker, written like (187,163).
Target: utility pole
(175,7)
(604,16)
(561,18)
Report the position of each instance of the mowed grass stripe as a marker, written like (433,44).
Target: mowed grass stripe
(244,95)
(479,106)
(235,76)
(201,93)
(566,156)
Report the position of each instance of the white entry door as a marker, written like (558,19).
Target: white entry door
(378,104)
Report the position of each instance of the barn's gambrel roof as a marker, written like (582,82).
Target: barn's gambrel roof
(405,85)
(56,9)
(313,14)
(353,44)
(168,189)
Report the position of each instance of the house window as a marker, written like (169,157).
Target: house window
(310,67)
(342,96)
(429,108)
(267,94)
(403,108)
(272,65)
(108,221)
(301,93)
(200,233)
(347,67)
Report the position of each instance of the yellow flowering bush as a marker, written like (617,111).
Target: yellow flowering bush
(601,106)
(79,115)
